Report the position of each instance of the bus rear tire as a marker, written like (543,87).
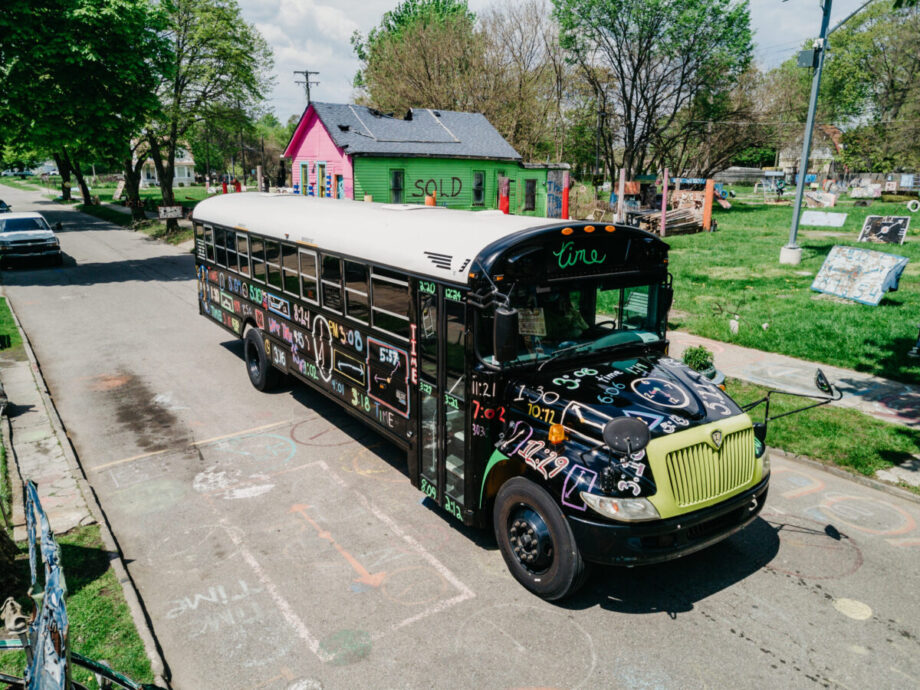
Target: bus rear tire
(262,374)
(536,541)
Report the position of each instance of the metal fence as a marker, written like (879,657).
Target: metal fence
(45,639)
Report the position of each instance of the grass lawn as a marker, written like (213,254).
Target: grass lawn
(838,436)
(736,270)
(100,625)
(154,228)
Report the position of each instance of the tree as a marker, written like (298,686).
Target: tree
(648,61)
(219,62)
(77,78)
(707,135)
(424,54)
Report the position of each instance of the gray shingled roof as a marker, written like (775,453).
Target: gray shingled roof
(362,131)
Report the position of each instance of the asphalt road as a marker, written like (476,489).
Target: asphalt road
(278,544)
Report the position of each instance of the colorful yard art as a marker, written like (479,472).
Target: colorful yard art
(885,229)
(861,275)
(867,191)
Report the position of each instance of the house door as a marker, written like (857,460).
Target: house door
(320,179)
(339,186)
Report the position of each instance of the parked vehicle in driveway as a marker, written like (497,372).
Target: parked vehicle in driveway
(26,236)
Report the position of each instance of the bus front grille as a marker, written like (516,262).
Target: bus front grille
(701,473)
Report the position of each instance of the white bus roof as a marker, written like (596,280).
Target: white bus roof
(425,240)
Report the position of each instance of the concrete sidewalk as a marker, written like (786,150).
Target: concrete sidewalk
(40,450)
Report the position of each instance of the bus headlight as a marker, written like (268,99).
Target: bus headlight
(624,509)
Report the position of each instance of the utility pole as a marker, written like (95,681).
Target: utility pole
(792,252)
(307,83)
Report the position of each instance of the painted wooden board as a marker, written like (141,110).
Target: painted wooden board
(824,219)
(861,275)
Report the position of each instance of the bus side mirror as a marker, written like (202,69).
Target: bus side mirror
(667,298)
(505,334)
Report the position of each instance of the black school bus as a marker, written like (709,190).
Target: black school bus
(521,364)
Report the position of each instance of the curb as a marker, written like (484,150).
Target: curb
(116,557)
(844,474)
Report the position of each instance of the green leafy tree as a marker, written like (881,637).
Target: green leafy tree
(424,53)
(220,65)
(77,77)
(649,61)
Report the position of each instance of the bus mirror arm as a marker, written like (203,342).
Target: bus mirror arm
(830,394)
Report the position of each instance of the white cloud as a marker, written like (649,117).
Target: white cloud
(780,28)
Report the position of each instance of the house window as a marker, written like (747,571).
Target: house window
(396,186)
(479,188)
(530,195)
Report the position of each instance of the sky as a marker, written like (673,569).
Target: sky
(315,35)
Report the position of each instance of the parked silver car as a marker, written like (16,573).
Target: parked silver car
(28,235)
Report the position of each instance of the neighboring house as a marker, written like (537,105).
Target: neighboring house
(355,152)
(184,174)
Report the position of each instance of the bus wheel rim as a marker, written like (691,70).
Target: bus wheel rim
(530,539)
(252,359)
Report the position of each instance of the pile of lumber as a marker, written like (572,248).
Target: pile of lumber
(677,221)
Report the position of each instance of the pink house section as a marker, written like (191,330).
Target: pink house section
(318,166)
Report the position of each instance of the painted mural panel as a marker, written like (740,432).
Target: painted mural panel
(368,373)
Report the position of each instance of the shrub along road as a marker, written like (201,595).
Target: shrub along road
(277,543)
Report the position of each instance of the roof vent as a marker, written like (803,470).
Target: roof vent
(439,260)
(436,113)
(344,128)
(408,116)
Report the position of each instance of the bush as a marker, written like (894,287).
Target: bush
(698,358)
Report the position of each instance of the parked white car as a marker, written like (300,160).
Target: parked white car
(28,235)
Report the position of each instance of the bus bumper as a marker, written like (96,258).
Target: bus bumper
(644,543)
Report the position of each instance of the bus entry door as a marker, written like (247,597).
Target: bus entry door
(442,398)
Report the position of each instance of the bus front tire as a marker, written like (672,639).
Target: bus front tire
(262,374)
(536,541)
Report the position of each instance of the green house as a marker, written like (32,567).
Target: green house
(459,160)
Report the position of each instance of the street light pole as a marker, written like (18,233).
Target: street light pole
(792,252)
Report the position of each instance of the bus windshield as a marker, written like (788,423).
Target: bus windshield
(587,315)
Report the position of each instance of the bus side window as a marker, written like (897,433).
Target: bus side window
(356,306)
(258,258)
(273,262)
(231,251)
(220,240)
(308,276)
(209,240)
(242,247)
(291,272)
(390,302)
(332,283)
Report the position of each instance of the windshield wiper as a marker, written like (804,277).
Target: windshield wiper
(570,348)
(578,346)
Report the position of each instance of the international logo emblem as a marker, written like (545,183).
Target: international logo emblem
(717,439)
